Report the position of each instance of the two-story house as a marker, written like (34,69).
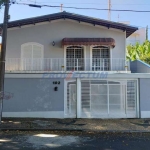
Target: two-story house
(66,65)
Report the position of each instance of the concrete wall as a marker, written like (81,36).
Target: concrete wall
(34,98)
(46,33)
(139,66)
(145,98)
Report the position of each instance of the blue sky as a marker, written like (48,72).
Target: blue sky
(136,19)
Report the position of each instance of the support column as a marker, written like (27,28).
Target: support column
(78,98)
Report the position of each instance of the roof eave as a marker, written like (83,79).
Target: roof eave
(65,15)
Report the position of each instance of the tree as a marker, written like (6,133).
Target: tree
(139,51)
(147,32)
(2,2)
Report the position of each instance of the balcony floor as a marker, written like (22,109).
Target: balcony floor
(64,72)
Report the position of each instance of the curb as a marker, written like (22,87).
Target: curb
(75,130)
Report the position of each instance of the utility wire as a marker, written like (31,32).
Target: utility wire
(84,8)
(39,6)
(13,2)
(79,3)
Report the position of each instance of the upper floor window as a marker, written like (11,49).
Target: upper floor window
(100,58)
(100,52)
(32,50)
(75,58)
(32,55)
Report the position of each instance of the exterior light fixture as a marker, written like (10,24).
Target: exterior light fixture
(53,43)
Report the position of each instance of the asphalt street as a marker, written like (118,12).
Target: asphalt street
(45,140)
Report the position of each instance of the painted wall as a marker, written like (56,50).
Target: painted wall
(145,98)
(48,32)
(34,98)
(139,66)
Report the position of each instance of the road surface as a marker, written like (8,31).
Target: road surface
(45,140)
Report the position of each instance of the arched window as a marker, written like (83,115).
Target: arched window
(75,58)
(100,58)
(32,56)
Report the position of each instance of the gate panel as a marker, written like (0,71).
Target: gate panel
(99,103)
(117,100)
(131,98)
(108,99)
(71,103)
(85,99)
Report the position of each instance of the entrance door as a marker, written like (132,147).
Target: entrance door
(71,103)
(74,58)
(100,58)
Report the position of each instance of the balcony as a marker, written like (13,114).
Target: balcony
(61,64)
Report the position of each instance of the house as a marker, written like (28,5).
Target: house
(66,65)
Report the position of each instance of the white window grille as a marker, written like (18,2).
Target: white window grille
(75,58)
(100,58)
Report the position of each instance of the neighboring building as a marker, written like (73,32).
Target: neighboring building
(138,36)
(66,65)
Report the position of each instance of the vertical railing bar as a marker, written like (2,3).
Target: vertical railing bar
(126,97)
(103,64)
(25,63)
(90,97)
(108,97)
(74,64)
(58,64)
(51,61)
(77,64)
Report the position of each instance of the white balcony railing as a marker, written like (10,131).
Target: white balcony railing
(61,64)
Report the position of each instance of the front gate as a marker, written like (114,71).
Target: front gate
(102,99)
(71,103)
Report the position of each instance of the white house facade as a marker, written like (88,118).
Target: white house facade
(66,65)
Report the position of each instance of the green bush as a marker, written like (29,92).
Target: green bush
(139,52)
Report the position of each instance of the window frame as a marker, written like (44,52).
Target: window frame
(31,43)
(91,55)
(65,55)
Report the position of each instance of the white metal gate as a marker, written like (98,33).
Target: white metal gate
(108,99)
(101,99)
(71,103)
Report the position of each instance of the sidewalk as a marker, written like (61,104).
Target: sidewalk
(99,125)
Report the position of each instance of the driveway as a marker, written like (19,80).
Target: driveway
(137,125)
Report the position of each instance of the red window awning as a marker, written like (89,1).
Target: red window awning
(89,41)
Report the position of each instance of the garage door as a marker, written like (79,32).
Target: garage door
(108,99)
(102,99)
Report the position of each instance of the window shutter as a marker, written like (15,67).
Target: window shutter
(37,55)
(27,51)
(37,51)
(32,56)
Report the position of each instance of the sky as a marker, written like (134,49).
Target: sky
(17,11)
